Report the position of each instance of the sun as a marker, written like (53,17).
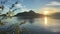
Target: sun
(45,12)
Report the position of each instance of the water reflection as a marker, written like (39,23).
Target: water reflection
(45,20)
(52,25)
(28,25)
(31,21)
(48,21)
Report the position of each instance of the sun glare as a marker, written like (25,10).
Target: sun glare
(45,12)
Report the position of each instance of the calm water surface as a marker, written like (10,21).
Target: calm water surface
(34,26)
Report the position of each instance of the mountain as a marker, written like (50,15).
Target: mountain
(30,14)
(55,15)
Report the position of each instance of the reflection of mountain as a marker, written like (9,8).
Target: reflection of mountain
(30,14)
(3,15)
(56,15)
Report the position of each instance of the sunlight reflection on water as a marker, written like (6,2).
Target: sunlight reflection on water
(52,25)
(45,21)
(37,24)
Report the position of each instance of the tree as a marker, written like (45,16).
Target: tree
(10,11)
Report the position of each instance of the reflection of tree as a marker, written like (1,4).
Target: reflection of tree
(2,23)
(15,28)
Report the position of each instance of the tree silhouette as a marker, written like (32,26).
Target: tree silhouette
(2,7)
(2,4)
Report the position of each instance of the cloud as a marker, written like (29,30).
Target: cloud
(53,3)
(52,7)
(49,9)
(22,8)
(18,5)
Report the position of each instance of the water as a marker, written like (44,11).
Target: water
(43,25)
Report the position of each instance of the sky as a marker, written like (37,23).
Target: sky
(36,5)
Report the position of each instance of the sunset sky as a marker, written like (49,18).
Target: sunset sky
(37,5)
